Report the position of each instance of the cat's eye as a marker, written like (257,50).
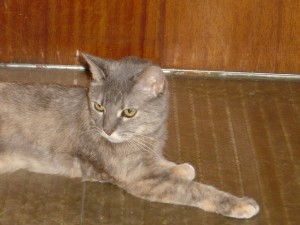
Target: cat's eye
(129,113)
(99,107)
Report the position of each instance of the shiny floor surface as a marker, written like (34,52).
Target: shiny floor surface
(242,136)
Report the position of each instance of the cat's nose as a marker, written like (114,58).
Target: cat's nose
(108,131)
(109,123)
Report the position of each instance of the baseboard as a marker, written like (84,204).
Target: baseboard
(171,72)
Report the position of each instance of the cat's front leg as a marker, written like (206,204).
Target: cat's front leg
(162,186)
(184,171)
(94,174)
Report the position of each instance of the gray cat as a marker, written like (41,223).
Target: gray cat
(113,132)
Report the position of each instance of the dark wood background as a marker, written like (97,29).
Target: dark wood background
(232,35)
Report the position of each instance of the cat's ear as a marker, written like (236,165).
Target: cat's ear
(96,65)
(151,80)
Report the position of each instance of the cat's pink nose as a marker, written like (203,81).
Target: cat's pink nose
(108,131)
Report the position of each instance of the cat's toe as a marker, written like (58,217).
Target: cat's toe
(185,171)
(246,208)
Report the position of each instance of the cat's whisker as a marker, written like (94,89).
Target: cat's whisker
(148,142)
(140,136)
(134,146)
(144,147)
(144,142)
(138,147)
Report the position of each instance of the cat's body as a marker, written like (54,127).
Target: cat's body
(112,132)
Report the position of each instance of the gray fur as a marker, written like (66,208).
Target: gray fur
(57,130)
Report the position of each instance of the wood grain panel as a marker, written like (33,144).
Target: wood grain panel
(261,36)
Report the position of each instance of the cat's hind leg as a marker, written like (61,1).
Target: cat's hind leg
(60,164)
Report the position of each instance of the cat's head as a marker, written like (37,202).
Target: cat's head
(128,98)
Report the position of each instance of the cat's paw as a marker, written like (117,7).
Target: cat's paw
(184,171)
(246,208)
(242,208)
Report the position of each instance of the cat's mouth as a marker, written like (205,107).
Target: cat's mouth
(114,137)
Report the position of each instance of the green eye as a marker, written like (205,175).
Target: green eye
(99,107)
(129,113)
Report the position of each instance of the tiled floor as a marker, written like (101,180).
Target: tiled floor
(242,136)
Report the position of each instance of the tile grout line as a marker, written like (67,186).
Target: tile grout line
(286,137)
(214,136)
(62,203)
(176,119)
(83,193)
(271,146)
(196,134)
(122,205)
(24,196)
(296,109)
(249,134)
(294,102)
(233,142)
(6,197)
(143,213)
(3,202)
(47,193)
(102,202)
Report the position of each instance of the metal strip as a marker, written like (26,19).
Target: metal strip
(41,66)
(208,73)
(201,73)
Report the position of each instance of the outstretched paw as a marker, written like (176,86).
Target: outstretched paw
(184,171)
(241,208)
(246,208)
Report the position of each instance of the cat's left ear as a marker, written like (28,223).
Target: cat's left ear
(95,64)
(151,80)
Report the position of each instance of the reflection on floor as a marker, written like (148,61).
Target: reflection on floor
(242,136)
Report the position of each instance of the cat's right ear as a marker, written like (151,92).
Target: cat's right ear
(96,65)
(151,80)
